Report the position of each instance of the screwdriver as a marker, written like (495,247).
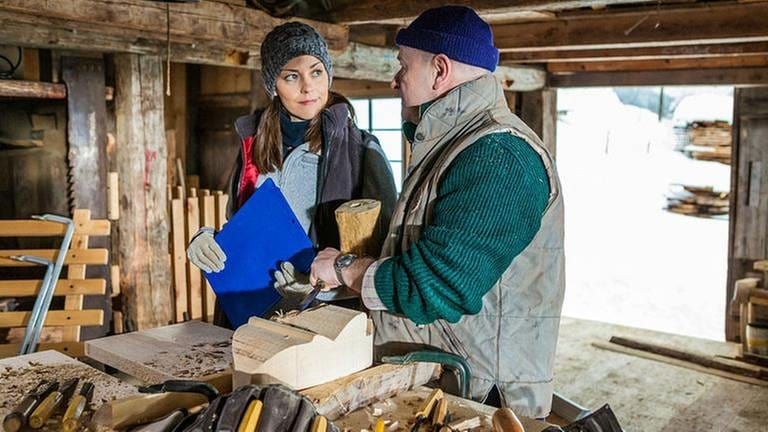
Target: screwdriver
(52,403)
(18,418)
(78,404)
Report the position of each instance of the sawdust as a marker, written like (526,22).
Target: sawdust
(201,360)
(17,381)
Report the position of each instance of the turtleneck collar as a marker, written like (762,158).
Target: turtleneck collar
(294,132)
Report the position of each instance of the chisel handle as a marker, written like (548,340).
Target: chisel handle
(43,412)
(71,419)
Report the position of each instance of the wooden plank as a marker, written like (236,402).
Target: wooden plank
(88,317)
(208,218)
(113,196)
(20,374)
(652,26)
(742,76)
(84,257)
(404,11)
(35,228)
(32,89)
(190,350)
(697,51)
(145,269)
(72,349)
(340,397)
(205,32)
(27,288)
(179,259)
(75,301)
(221,209)
(665,64)
(204,21)
(538,109)
(363,88)
(194,274)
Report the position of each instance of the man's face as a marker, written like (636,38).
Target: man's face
(414,81)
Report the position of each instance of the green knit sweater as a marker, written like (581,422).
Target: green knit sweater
(489,206)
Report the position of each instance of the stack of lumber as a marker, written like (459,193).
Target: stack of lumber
(701,201)
(709,141)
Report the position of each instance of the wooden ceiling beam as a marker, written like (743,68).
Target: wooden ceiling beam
(658,65)
(646,53)
(138,26)
(736,77)
(371,63)
(404,11)
(728,22)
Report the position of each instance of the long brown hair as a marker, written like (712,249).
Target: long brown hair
(268,146)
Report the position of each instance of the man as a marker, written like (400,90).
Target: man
(473,263)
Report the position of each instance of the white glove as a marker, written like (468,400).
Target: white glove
(205,253)
(292,285)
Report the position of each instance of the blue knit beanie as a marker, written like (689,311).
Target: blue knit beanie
(456,31)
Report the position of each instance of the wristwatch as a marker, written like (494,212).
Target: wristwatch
(343,261)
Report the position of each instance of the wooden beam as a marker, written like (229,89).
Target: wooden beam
(743,76)
(145,274)
(657,65)
(363,88)
(645,53)
(692,24)
(538,109)
(32,89)
(404,11)
(34,228)
(206,32)
(29,288)
(364,62)
(80,257)
(88,317)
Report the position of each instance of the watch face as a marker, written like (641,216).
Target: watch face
(345,260)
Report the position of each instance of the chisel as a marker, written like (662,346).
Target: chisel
(78,405)
(51,404)
(251,417)
(19,417)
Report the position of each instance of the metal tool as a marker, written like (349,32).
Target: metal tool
(310,298)
(42,303)
(450,360)
(79,403)
(52,403)
(19,417)
(40,309)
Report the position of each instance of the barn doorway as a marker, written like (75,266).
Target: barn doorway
(645,173)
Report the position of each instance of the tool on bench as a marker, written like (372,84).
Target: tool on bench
(52,403)
(505,420)
(160,400)
(19,417)
(449,360)
(424,413)
(79,403)
(251,418)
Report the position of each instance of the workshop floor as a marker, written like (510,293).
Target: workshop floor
(648,395)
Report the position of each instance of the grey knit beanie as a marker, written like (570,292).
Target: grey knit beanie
(286,42)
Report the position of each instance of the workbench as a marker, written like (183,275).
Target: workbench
(195,350)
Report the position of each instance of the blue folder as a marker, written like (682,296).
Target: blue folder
(263,233)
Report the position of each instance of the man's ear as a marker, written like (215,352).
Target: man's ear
(443,71)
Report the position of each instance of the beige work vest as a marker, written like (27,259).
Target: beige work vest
(511,342)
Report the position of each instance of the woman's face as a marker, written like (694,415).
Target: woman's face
(302,86)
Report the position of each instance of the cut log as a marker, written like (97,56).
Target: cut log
(302,349)
(344,395)
(357,224)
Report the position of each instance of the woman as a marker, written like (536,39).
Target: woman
(307,143)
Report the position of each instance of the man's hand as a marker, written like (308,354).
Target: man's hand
(205,253)
(323,270)
(292,285)
(323,267)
